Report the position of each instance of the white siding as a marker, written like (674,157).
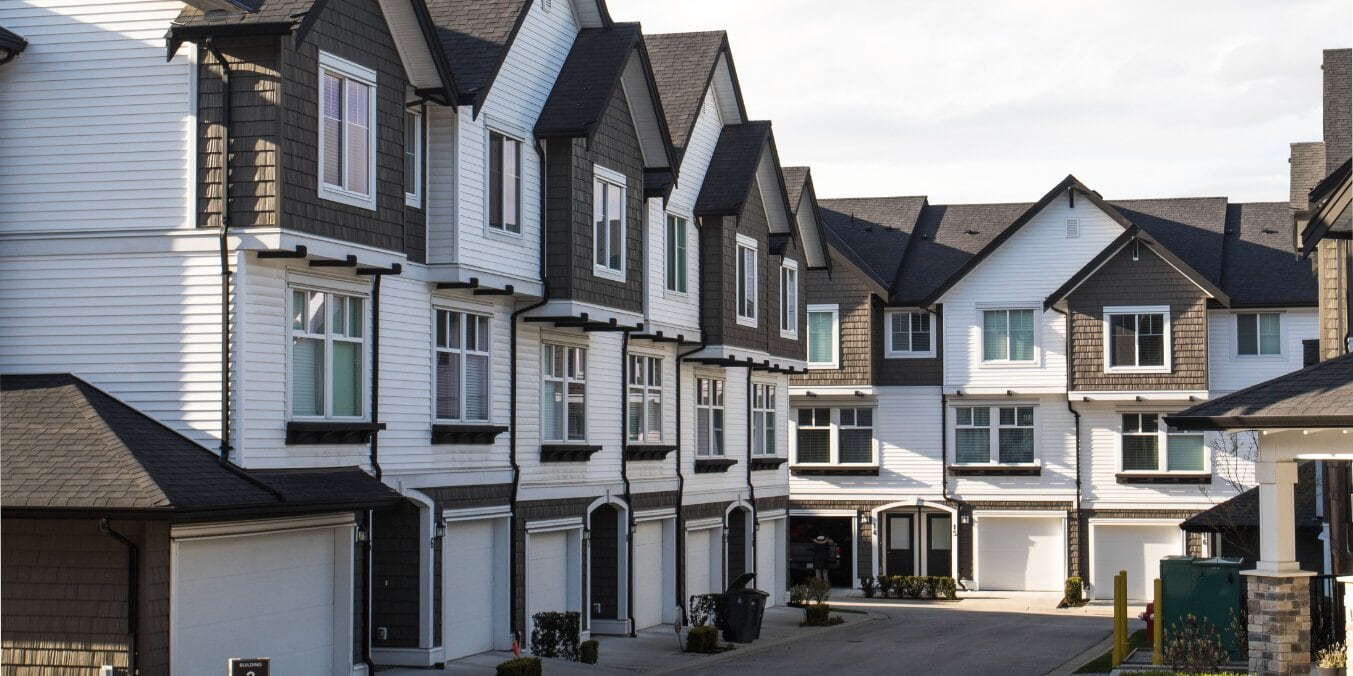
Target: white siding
(772,483)
(1022,273)
(442,125)
(1228,372)
(716,486)
(94,124)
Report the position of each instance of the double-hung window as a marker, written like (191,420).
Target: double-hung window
(564,400)
(413,159)
(709,417)
(608,217)
(842,436)
(1259,334)
(1008,335)
(347,112)
(823,337)
(1145,435)
(645,399)
(328,354)
(462,364)
(1011,437)
(909,334)
(746,282)
(1137,338)
(676,254)
(763,419)
(789,299)
(504,183)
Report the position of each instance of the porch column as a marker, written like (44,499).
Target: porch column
(1278,590)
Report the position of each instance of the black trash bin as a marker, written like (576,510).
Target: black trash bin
(745,608)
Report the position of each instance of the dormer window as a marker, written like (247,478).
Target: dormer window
(608,218)
(504,183)
(347,135)
(746,281)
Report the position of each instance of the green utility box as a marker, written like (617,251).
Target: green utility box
(1208,589)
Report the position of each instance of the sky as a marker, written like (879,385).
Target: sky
(996,101)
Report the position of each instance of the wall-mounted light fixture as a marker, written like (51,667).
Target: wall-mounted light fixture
(361,534)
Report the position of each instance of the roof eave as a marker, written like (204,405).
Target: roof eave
(1258,422)
(178,35)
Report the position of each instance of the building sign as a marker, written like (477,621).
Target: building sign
(249,666)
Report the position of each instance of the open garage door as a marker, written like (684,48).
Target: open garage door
(1020,553)
(1136,548)
(285,596)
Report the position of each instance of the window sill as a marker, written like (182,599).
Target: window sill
(454,433)
(766,463)
(822,367)
(713,465)
(413,201)
(608,273)
(504,233)
(909,355)
(351,199)
(1137,369)
(746,321)
(567,452)
(648,451)
(329,432)
(834,470)
(996,470)
(1196,478)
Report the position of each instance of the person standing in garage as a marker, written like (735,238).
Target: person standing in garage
(822,554)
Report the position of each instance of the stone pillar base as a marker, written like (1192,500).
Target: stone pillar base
(1280,622)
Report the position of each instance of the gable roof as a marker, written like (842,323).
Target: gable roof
(684,65)
(1319,396)
(948,237)
(70,447)
(475,36)
(1134,234)
(1259,268)
(1190,227)
(590,77)
(732,169)
(798,187)
(872,232)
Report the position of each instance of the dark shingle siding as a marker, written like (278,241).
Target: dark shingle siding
(909,372)
(1147,281)
(255,89)
(841,287)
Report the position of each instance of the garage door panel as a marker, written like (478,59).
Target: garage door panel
(547,563)
(1136,548)
(698,555)
(469,595)
(648,574)
(268,595)
(1020,553)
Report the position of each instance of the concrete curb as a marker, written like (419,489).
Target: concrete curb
(1071,665)
(759,646)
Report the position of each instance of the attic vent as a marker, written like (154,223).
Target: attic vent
(1270,231)
(971,231)
(1073,227)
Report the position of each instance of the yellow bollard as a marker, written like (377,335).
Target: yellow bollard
(1157,631)
(1117,658)
(1122,615)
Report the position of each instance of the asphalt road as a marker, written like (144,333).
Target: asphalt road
(929,641)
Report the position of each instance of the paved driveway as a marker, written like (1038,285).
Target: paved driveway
(970,637)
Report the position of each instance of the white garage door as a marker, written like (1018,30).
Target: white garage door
(769,568)
(269,595)
(469,589)
(1136,548)
(649,566)
(699,553)
(1020,553)
(546,583)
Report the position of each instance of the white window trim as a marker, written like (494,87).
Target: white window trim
(744,241)
(367,76)
(890,353)
(994,448)
(1162,447)
(835,311)
(415,199)
(564,380)
(646,389)
(363,387)
(708,409)
(1167,338)
(616,179)
(489,229)
(437,307)
(834,427)
(686,246)
(773,412)
(1282,336)
(792,333)
(1009,363)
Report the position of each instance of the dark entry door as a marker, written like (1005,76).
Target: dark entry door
(939,528)
(900,557)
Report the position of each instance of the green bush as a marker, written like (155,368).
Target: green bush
(711,609)
(819,591)
(885,586)
(556,635)
(589,650)
(1073,593)
(520,666)
(921,587)
(817,614)
(1193,646)
(702,639)
(868,586)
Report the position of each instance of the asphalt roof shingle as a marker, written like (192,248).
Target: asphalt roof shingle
(1260,268)
(257,12)
(732,168)
(474,35)
(1316,396)
(682,65)
(873,233)
(589,76)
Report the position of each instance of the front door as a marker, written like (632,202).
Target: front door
(900,558)
(939,529)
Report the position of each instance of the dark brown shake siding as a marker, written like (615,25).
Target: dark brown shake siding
(274,129)
(771,305)
(843,288)
(1147,281)
(570,232)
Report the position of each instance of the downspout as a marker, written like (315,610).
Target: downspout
(1077,415)
(625,479)
(224,246)
(681,487)
(133,593)
(375,372)
(751,489)
(514,592)
(366,598)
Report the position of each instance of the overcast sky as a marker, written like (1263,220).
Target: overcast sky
(997,101)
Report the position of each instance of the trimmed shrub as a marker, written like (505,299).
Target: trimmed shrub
(922,587)
(816,614)
(798,595)
(819,591)
(885,586)
(588,650)
(868,586)
(1073,593)
(709,609)
(556,634)
(702,639)
(520,666)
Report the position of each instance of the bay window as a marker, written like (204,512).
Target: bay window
(608,217)
(504,183)
(676,254)
(789,300)
(763,419)
(746,281)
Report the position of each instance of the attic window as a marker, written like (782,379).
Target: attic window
(1073,227)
